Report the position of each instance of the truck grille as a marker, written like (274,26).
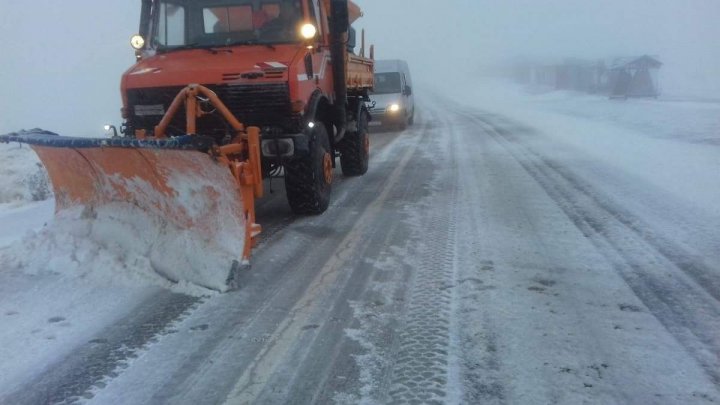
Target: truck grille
(262,105)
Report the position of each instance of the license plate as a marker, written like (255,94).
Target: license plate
(149,110)
(375,123)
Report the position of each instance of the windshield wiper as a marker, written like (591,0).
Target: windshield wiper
(251,42)
(217,49)
(166,49)
(214,48)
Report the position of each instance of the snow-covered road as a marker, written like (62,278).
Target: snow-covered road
(485,258)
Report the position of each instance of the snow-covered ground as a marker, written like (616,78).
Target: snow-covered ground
(671,143)
(580,196)
(647,149)
(668,143)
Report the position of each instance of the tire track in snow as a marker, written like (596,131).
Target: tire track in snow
(693,265)
(420,373)
(686,309)
(328,368)
(476,351)
(266,380)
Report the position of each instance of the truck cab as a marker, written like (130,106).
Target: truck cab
(280,65)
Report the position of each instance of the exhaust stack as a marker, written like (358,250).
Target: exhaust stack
(339,24)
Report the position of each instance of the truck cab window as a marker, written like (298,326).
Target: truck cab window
(284,27)
(171,27)
(228,19)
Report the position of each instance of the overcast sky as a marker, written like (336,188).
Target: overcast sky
(62,60)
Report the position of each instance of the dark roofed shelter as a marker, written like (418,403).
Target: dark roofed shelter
(635,77)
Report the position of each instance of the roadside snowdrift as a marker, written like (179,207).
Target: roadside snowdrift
(188,240)
(119,244)
(22,177)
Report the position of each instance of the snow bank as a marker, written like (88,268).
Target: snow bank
(22,177)
(119,244)
(182,229)
(17,222)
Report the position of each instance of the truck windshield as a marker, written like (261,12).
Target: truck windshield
(188,24)
(387,83)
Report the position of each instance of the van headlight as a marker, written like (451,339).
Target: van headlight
(394,107)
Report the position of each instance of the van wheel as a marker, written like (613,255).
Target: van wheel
(308,179)
(411,121)
(355,149)
(403,124)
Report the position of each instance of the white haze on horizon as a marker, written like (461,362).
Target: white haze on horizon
(62,61)
(441,38)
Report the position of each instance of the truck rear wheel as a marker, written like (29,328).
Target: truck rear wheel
(308,179)
(355,149)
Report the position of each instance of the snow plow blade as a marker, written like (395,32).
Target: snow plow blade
(180,184)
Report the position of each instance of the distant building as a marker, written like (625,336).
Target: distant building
(580,75)
(621,78)
(634,77)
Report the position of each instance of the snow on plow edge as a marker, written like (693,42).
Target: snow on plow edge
(119,242)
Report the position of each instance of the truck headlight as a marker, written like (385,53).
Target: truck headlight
(394,107)
(137,42)
(308,31)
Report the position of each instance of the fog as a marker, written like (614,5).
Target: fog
(62,61)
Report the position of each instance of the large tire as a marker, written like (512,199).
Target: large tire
(308,179)
(355,149)
(411,121)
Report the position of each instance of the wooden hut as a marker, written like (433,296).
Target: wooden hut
(634,77)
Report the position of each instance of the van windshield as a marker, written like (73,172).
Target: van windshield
(387,83)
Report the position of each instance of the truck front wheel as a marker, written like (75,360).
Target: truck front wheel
(355,149)
(308,179)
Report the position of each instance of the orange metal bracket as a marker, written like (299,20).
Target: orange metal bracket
(242,156)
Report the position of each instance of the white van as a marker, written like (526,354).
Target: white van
(394,104)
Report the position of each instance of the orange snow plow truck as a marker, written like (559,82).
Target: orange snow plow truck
(224,94)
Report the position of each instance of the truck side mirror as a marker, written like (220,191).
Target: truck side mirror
(408,91)
(339,16)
